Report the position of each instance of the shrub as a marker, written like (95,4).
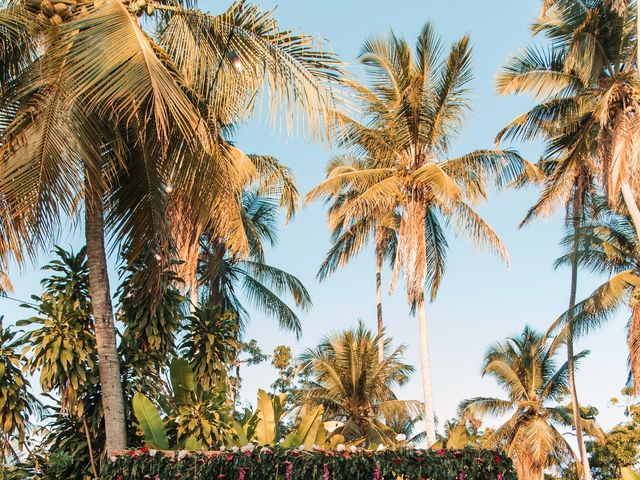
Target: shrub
(268,463)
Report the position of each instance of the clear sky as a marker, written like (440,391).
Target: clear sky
(481,300)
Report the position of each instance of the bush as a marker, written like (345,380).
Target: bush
(281,464)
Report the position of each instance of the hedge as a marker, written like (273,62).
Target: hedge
(281,464)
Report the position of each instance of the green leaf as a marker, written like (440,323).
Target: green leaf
(149,419)
(269,412)
(182,381)
(628,474)
(308,429)
(193,444)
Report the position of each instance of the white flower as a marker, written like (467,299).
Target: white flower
(353,449)
(234,449)
(340,447)
(401,437)
(301,448)
(222,448)
(113,459)
(411,445)
(152,453)
(265,450)
(381,448)
(247,448)
(316,447)
(182,454)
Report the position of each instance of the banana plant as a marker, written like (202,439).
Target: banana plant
(194,418)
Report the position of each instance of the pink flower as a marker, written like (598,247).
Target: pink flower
(500,477)
(376,473)
(241,474)
(441,452)
(325,474)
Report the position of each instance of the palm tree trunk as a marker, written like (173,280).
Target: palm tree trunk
(575,404)
(634,346)
(379,259)
(108,361)
(194,299)
(425,365)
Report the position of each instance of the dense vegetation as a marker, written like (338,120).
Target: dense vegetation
(118,116)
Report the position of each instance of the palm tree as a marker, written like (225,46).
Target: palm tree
(608,245)
(576,85)
(415,106)
(355,388)
(113,113)
(525,368)
(348,240)
(223,274)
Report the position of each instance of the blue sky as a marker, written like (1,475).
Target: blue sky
(481,300)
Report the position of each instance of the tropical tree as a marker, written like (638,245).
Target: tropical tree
(525,368)
(103,105)
(608,245)
(224,274)
(416,104)
(17,403)
(348,239)
(355,388)
(582,84)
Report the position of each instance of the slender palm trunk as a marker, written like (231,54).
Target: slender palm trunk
(425,365)
(108,361)
(379,296)
(575,404)
(634,346)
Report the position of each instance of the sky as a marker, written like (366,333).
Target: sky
(481,300)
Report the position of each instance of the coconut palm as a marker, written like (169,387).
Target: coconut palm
(576,84)
(113,113)
(348,240)
(355,388)
(608,245)
(525,368)
(415,105)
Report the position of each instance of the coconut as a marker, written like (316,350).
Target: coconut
(56,19)
(46,7)
(150,10)
(60,8)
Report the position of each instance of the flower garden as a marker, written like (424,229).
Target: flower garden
(255,463)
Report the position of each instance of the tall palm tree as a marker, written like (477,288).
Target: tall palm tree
(348,240)
(525,368)
(608,245)
(416,104)
(576,82)
(115,115)
(355,388)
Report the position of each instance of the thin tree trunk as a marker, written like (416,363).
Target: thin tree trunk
(108,361)
(634,346)
(379,258)
(425,365)
(91,459)
(575,404)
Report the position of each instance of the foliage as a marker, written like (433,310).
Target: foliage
(210,344)
(60,345)
(17,403)
(276,463)
(525,369)
(195,417)
(619,448)
(151,323)
(347,378)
